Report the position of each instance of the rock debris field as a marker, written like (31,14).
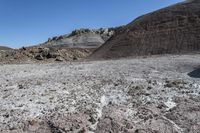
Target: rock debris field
(144,95)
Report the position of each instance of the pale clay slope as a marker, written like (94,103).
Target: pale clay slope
(127,95)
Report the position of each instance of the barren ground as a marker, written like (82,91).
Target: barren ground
(152,95)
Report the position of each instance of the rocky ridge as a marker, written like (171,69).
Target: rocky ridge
(82,38)
(74,46)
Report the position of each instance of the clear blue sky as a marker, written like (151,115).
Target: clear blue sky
(27,22)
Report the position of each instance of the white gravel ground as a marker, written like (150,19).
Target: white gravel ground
(128,95)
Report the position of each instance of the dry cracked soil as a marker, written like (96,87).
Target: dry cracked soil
(144,95)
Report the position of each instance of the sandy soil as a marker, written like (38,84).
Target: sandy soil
(152,95)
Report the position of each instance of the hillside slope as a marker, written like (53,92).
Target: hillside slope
(175,29)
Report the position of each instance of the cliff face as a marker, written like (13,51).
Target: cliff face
(83,38)
(175,29)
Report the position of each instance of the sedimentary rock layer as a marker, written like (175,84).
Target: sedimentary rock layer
(175,29)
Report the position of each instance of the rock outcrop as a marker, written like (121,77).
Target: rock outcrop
(83,38)
(77,45)
(43,54)
(175,29)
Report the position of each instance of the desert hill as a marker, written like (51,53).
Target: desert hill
(74,46)
(174,29)
(4,48)
(82,38)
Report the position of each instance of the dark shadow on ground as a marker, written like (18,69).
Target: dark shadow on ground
(195,73)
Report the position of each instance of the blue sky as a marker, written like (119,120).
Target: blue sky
(28,22)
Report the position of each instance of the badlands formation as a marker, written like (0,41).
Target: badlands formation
(174,29)
(146,94)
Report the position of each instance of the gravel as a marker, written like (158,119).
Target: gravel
(128,95)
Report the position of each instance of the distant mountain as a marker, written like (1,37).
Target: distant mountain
(175,29)
(4,48)
(83,38)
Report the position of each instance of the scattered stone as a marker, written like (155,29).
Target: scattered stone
(61,98)
(20,86)
(176,83)
(136,90)
(149,88)
(75,58)
(39,57)
(59,59)
(44,54)
(23,48)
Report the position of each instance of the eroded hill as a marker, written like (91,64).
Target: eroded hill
(175,29)
(74,46)
(82,38)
